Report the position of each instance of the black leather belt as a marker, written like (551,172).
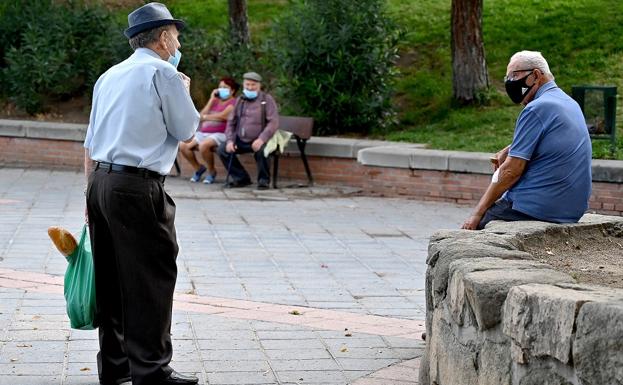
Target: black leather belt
(145,173)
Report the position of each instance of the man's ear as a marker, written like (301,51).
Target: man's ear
(538,74)
(162,39)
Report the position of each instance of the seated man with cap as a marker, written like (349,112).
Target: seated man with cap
(254,121)
(141,110)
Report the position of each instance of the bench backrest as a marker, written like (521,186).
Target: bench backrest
(298,125)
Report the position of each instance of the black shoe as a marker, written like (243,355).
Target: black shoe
(237,183)
(176,378)
(263,185)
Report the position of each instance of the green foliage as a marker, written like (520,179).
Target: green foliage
(53,51)
(336,61)
(578,38)
(209,56)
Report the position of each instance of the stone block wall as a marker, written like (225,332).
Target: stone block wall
(495,316)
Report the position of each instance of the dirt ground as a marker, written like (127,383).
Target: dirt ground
(75,110)
(592,260)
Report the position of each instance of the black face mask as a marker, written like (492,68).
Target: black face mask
(514,89)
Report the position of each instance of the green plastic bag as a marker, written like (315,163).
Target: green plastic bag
(80,285)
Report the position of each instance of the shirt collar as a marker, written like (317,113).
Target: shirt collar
(147,51)
(544,88)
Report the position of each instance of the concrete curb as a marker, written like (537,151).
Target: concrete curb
(375,153)
(42,130)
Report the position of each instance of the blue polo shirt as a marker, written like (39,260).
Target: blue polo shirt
(551,134)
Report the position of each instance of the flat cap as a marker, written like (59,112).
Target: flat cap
(252,76)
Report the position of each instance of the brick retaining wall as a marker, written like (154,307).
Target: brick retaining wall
(430,185)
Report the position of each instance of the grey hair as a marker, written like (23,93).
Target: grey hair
(532,59)
(143,39)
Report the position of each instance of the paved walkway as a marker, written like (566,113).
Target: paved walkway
(290,286)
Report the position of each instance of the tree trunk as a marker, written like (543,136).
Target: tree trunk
(238,22)
(469,69)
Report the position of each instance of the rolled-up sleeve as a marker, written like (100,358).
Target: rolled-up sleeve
(272,119)
(180,115)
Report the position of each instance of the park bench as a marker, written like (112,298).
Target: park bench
(301,129)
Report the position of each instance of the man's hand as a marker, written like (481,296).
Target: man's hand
(186,81)
(230,147)
(500,157)
(257,144)
(472,222)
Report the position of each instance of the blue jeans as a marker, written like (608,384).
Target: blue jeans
(502,210)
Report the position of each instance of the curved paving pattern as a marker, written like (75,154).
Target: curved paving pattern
(294,286)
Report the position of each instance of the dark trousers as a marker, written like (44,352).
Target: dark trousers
(134,252)
(502,210)
(236,171)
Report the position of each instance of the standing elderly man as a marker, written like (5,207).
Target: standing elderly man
(254,121)
(545,173)
(141,110)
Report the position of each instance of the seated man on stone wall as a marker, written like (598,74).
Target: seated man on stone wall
(545,173)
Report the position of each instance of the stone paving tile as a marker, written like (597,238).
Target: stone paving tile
(8,379)
(237,366)
(404,373)
(320,250)
(313,377)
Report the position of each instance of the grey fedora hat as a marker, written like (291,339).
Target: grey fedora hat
(150,16)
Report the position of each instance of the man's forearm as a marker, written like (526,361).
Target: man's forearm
(506,179)
(88,163)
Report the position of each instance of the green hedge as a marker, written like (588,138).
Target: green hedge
(51,52)
(328,59)
(337,63)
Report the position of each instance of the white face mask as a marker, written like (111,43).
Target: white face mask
(175,59)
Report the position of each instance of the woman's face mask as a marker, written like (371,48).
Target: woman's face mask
(518,89)
(224,93)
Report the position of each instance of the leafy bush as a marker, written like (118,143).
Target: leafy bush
(336,60)
(210,55)
(51,51)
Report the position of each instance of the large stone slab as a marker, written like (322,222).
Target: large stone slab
(494,363)
(467,245)
(525,234)
(544,377)
(539,319)
(396,157)
(471,162)
(484,283)
(598,344)
(610,171)
(455,366)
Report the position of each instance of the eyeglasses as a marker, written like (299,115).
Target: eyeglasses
(512,76)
